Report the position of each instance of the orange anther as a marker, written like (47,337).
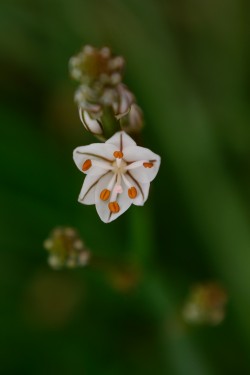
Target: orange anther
(86,165)
(132,192)
(105,194)
(114,207)
(148,165)
(118,154)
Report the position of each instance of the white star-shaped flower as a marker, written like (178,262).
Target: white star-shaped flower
(118,173)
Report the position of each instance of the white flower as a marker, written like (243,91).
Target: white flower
(118,173)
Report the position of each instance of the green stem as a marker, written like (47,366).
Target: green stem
(110,124)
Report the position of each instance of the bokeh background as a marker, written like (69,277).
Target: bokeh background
(188,64)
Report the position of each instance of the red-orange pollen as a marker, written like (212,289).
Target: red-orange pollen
(105,194)
(148,165)
(118,154)
(132,192)
(86,165)
(114,207)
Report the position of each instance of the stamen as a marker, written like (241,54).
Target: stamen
(136,164)
(105,194)
(114,207)
(86,165)
(118,154)
(148,165)
(132,192)
(111,182)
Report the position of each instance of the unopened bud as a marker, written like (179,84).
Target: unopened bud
(105,52)
(92,125)
(124,102)
(133,121)
(117,63)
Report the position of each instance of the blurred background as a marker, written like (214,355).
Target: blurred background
(136,310)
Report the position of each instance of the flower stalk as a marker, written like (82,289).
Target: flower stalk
(118,172)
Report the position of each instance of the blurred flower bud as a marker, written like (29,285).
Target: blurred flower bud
(96,64)
(66,249)
(88,99)
(205,304)
(133,121)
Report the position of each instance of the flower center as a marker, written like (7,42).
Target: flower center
(119,166)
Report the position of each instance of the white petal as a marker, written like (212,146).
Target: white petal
(144,175)
(87,194)
(121,141)
(137,154)
(97,151)
(142,191)
(102,206)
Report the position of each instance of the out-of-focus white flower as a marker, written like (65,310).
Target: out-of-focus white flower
(118,174)
(66,248)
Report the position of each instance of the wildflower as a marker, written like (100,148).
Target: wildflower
(66,249)
(118,174)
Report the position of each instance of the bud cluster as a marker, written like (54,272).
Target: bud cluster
(101,92)
(66,249)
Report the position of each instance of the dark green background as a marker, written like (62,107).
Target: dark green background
(188,64)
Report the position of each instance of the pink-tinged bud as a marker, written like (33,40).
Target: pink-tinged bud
(133,121)
(125,99)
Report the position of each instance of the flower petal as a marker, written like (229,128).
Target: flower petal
(138,170)
(87,193)
(137,153)
(97,151)
(102,206)
(121,141)
(141,188)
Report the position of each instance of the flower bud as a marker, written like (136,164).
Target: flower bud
(132,122)
(124,101)
(92,125)
(95,64)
